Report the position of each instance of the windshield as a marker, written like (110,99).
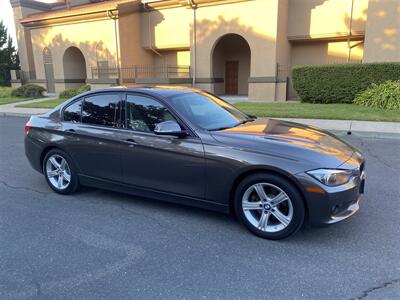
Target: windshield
(207,111)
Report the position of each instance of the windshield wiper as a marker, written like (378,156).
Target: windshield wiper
(228,127)
(221,128)
(244,122)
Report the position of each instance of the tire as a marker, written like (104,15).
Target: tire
(66,170)
(260,216)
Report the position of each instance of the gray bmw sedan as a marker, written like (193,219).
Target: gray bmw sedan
(188,146)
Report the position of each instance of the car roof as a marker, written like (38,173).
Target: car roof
(162,91)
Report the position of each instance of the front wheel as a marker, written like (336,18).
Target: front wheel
(269,206)
(60,172)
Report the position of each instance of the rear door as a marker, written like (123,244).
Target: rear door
(92,125)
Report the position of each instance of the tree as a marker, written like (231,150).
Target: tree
(9,59)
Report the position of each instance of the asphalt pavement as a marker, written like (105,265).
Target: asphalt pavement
(105,245)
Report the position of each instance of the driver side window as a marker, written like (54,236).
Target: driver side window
(143,113)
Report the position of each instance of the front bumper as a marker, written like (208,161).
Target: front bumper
(328,205)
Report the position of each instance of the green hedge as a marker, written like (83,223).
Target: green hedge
(340,83)
(6,92)
(28,90)
(69,93)
(385,95)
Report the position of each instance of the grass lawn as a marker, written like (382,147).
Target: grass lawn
(290,110)
(43,104)
(6,98)
(318,111)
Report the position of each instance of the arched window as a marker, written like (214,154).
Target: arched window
(48,70)
(47,57)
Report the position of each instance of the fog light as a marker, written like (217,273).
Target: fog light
(335,209)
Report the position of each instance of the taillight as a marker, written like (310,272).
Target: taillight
(27,127)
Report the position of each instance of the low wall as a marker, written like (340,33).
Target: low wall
(15,84)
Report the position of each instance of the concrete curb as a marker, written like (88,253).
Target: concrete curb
(10,114)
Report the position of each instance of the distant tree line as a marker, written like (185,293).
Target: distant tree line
(9,59)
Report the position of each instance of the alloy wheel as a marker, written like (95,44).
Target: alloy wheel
(267,207)
(58,172)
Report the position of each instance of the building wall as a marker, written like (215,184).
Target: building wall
(85,36)
(166,28)
(137,29)
(130,36)
(278,32)
(283,47)
(77,2)
(382,39)
(321,52)
(283,52)
(173,58)
(322,18)
(256,22)
(24,38)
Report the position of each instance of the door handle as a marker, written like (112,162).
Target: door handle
(131,142)
(70,130)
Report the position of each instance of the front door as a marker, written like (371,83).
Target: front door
(231,77)
(160,163)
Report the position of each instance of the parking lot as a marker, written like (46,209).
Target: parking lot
(100,244)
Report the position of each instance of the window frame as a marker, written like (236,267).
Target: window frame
(118,121)
(70,104)
(178,119)
(201,92)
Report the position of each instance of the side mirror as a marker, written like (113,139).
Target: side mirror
(169,128)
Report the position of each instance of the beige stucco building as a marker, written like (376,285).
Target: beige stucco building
(234,47)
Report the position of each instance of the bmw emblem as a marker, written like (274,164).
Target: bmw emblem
(267,207)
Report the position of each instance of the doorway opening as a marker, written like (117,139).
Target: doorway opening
(231,59)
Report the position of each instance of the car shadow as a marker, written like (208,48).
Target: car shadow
(306,235)
(131,202)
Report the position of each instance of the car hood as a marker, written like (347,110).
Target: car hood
(290,140)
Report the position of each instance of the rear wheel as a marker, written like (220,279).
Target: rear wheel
(269,206)
(60,172)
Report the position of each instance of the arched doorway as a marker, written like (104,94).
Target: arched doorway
(48,70)
(231,62)
(74,67)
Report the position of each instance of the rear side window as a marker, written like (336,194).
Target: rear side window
(101,110)
(73,112)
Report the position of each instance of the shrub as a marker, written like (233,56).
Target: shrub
(6,92)
(340,83)
(69,93)
(385,95)
(29,90)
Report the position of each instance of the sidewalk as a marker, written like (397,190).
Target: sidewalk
(12,110)
(335,125)
(348,125)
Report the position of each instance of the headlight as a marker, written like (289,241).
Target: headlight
(331,177)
